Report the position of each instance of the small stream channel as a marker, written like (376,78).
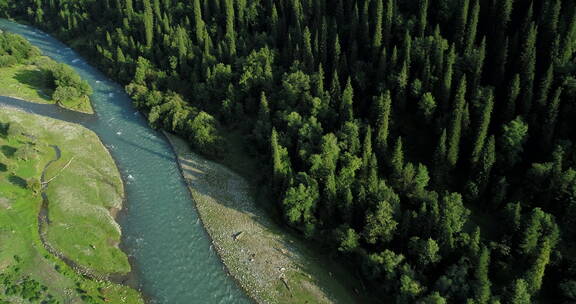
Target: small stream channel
(169,249)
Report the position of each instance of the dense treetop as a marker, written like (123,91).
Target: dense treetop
(431,141)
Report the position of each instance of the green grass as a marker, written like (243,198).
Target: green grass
(29,82)
(81,198)
(21,252)
(25,82)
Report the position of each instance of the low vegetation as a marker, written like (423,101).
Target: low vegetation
(26,74)
(79,226)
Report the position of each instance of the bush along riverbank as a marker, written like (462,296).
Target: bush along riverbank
(271,265)
(59,188)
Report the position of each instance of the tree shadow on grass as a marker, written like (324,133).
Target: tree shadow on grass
(36,79)
(8,151)
(18,181)
(4,129)
(3,167)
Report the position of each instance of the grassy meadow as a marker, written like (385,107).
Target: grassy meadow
(84,187)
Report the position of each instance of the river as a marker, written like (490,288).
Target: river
(171,253)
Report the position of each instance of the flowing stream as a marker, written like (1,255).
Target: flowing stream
(171,253)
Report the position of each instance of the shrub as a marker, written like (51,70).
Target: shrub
(204,134)
(63,76)
(62,94)
(7,60)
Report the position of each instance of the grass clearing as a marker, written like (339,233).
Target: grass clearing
(270,264)
(30,82)
(25,264)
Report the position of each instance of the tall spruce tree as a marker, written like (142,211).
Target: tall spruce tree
(455,131)
(148,23)
(382,111)
(483,125)
(527,68)
(422,17)
(472,26)
(379,15)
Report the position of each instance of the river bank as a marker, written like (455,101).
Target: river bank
(270,265)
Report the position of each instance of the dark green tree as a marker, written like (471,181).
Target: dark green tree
(483,125)
(455,131)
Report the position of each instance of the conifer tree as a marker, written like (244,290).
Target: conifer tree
(148,23)
(456,123)
(388,19)
(198,22)
(438,52)
(346,104)
(549,24)
(401,84)
(482,284)
(156,9)
(487,161)
(422,17)
(120,55)
(336,53)
(446,84)
(532,232)
(548,129)
(544,89)
(568,45)
(230,31)
(520,293)
(129,8)
(478,68)
(394,59)
(335,89)
(472,26)
(397,159)
(275,24)
(280,164)
(483,125)
(263,125)
(527,67)
(383,107)
(367,151)
(308,55)
(536,273)
(512,141)
(453,218)
(440,158)
(407,51)
(461,21)
(379,14)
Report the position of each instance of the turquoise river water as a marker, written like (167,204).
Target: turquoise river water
(171,253)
